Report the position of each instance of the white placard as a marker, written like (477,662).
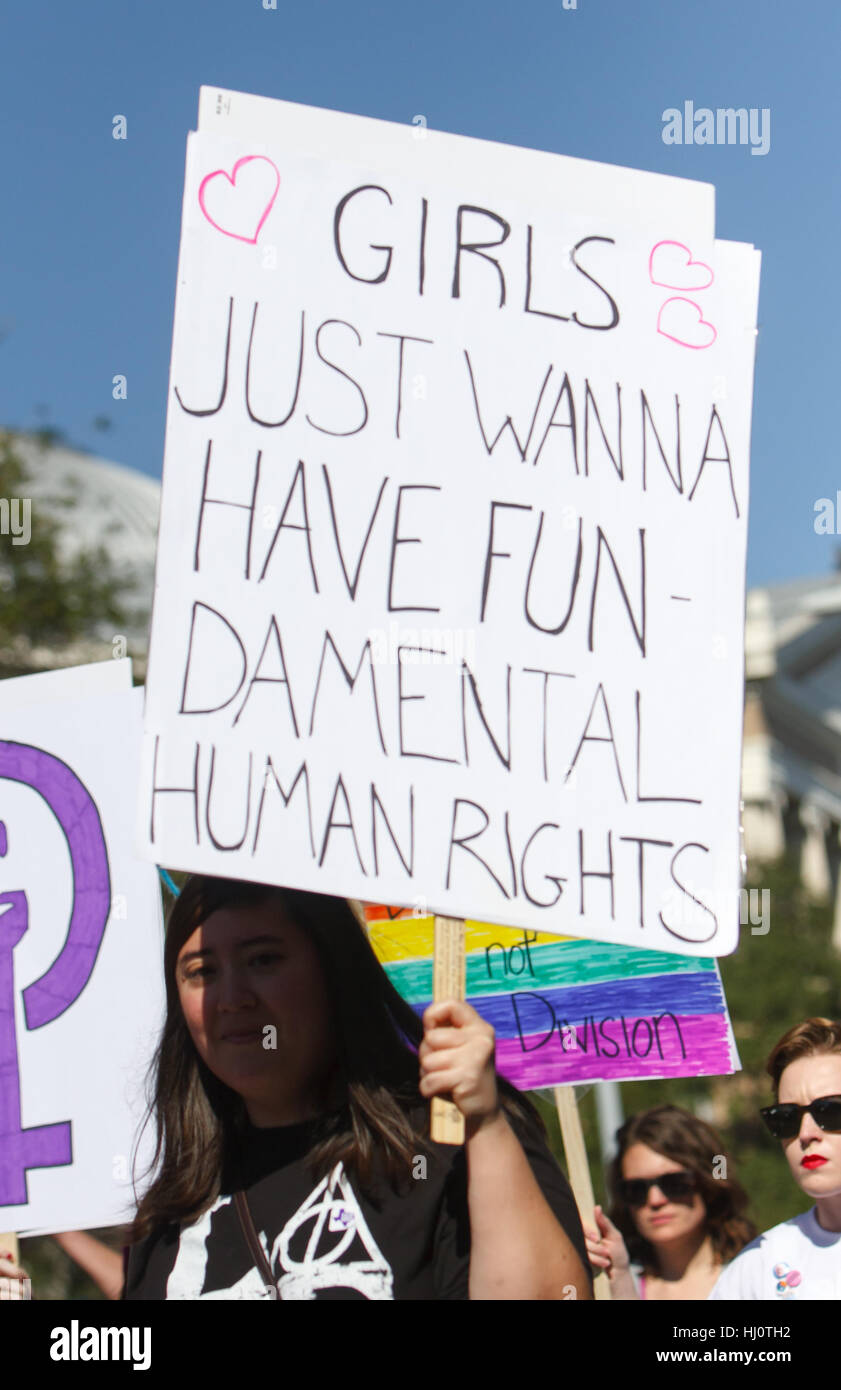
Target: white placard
(450,585)
(96,677)
(81,979)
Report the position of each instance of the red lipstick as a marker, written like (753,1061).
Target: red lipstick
(812,1161)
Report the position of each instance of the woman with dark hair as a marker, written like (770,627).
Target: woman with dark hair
(292,1154)
(676,1213)
(800,1258)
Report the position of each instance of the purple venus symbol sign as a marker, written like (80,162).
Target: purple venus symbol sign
(46,1146)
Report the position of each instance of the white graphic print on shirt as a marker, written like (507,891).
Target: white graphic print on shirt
(325,1244)
(187,1277)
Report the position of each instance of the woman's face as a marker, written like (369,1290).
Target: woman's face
(255,1002)
(660,1220)
(814,1156)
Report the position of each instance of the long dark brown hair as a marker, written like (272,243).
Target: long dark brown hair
(200,1120)
(680,1136)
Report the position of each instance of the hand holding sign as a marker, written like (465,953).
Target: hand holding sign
(608,1255)
(457,1060)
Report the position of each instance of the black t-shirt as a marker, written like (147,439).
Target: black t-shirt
(328,1239)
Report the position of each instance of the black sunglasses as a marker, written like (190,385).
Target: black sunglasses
(784,1121)
(675,1187)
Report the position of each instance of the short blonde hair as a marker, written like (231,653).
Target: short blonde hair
(808,1039)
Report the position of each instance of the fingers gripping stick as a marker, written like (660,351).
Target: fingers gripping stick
(448,982)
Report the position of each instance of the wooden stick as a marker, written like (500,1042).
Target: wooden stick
(579,1169)
(448,982)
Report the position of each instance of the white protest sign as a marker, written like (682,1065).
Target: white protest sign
(449,596)
(97,678)
(81,992)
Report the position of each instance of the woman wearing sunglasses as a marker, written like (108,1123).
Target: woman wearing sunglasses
(800,1258)
(676,1212)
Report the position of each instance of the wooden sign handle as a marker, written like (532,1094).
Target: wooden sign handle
(579,1169)
(446,1125)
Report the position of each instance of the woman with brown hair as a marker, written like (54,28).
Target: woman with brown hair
(800,1258)
(676,1210)
(292,1152)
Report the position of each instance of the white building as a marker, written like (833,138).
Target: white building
(95,503)
(791,766)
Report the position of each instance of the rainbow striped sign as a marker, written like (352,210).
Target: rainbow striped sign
(567,1011)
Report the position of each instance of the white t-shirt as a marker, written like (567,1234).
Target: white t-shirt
(796,1260)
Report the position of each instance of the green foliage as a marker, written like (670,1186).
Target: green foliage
(46,597)
(54,1275)
(792,973)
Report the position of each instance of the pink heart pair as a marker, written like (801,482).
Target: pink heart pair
(671,265)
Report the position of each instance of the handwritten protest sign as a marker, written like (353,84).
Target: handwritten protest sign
(449,594)
(80,949)
(567,1011)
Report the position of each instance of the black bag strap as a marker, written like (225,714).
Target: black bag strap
(252,1240)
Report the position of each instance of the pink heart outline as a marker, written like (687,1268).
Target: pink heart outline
(696,347)
(668,284)
(232,179)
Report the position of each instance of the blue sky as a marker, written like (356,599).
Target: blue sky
(89,235)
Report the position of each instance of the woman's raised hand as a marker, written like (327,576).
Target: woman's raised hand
(457,1060)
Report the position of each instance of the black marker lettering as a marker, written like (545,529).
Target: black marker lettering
(351,587)
(225,502)
(350,680)
(272,424)
(213,409)
(299,480)
(272,632)
(402,338)
(614,308)
(593,873)
(377,805)
(192,790)
(639,631)
(217,844)
(648,420)
(286,797)
(397,539)
(340,434)
(462,841)
(491,554)
(340,825)
(715,419)
(337,242)
(478,248)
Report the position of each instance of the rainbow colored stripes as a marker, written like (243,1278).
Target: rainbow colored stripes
(569,1011)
